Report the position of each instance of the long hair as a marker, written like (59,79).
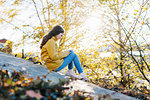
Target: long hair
(55,31)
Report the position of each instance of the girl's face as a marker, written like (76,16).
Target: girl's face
(59,36)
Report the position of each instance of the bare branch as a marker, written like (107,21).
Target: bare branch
(14,25)
(121,6)
(43,12)
(48,13)
(135,22)
(38,16)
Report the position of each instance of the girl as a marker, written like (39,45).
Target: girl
(56,61)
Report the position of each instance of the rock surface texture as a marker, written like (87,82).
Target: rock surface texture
(10,63)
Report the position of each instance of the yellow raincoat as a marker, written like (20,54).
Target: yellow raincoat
(50,55)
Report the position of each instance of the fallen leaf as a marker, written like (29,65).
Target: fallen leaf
(33,94)
(38,77)
(31,79)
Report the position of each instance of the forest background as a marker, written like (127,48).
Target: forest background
(111,37)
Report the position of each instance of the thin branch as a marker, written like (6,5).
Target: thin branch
(134,60)
(38,16)
(142,56)
(140,69)
(121,6)
(43,12)
(48,13)
(136,45)
(148,25)
(135,22)
(133,56)
(18,29)
(13,25)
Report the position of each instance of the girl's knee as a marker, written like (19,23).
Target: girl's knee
(72,52)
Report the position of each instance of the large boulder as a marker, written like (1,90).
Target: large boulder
(11,63)
(96,92)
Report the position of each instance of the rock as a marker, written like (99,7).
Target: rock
(10,63)
(96,91)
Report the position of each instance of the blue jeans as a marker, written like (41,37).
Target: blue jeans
(69,60)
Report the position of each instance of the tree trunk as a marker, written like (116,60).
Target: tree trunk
(121,52)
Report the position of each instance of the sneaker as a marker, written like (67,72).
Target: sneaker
(71,73)
(83,76)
